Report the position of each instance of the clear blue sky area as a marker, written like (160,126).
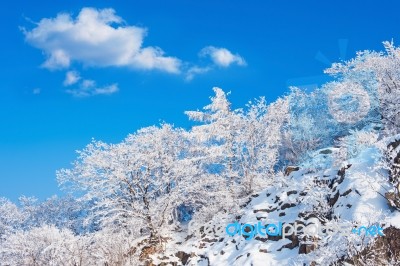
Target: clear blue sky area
(251,48)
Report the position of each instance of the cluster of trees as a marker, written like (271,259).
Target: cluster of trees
(378,73)
(158,178)
(159,172)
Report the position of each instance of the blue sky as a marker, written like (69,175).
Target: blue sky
(103,69)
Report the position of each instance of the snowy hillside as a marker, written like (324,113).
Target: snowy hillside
(348,196)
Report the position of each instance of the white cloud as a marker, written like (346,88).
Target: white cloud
(86,87)
(96,38)
(71,78)
(222,56)
(196,70)
(87,84)
(110,89)
(89,88)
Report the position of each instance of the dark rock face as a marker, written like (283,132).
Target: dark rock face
(262,239)
(147,251)
(294,244)
(327,151)
(306,248)
(333,200)
(385,250)
(287,205)
(265,210)
(333,185)
(393,200)
(346,193)
(291,169)
(390,242)
(184,257)
(340,176)
(393,159)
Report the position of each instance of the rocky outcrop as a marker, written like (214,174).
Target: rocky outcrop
(291,169)
(384,250)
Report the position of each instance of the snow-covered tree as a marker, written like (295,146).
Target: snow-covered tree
(379,74)
(62,212)
(11,218)
(241,145)
(136,179)
(45,245)
(260,141)
(310,125)
(358,140)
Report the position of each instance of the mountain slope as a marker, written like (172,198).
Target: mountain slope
(344,197)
